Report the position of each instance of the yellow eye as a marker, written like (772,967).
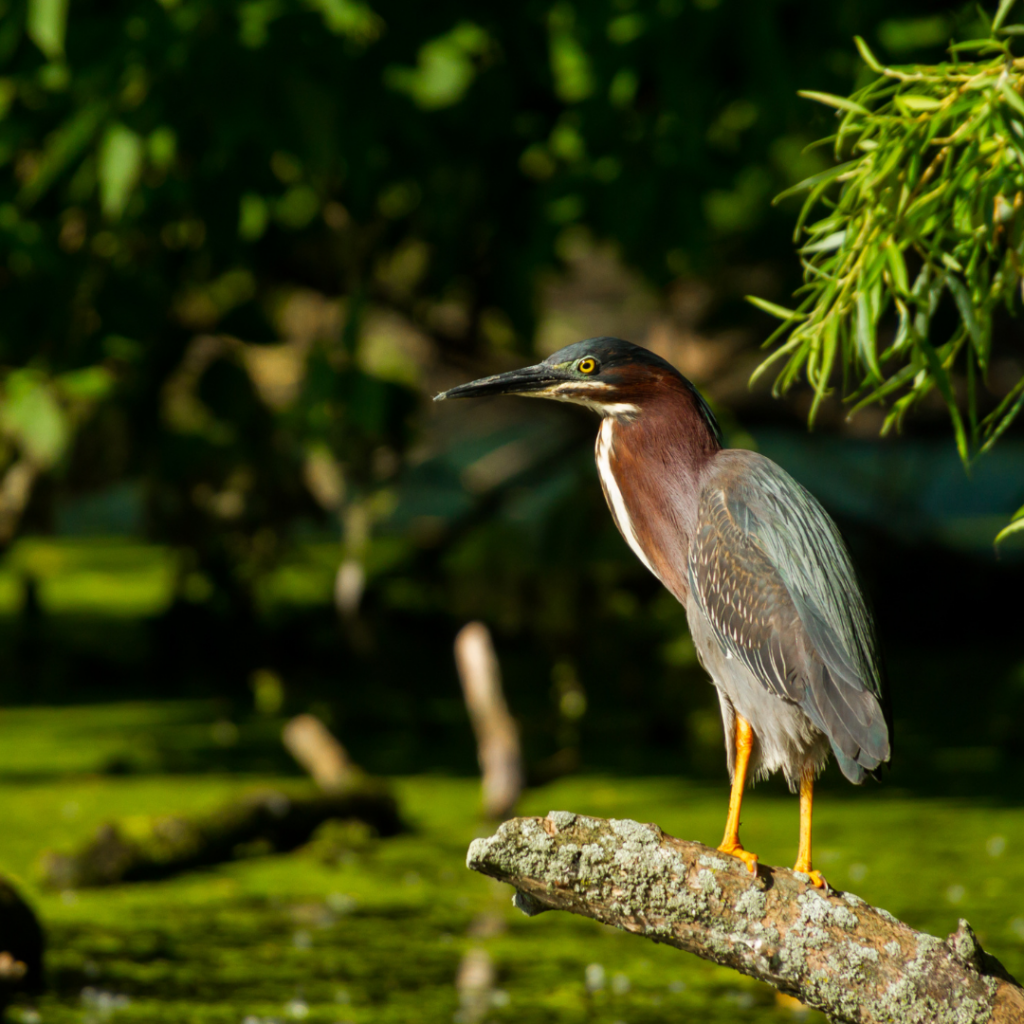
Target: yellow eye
(587,365)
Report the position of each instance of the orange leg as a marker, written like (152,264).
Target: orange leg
(803,857)
(731,843)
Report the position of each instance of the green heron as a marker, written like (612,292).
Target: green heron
(773,602)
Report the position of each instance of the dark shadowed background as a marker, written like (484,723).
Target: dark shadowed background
(243,243)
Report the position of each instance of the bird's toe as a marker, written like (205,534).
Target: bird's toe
(736,850)
(817,879)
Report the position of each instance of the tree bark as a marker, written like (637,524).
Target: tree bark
(832,951)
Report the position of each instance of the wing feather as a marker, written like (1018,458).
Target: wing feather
(770,571)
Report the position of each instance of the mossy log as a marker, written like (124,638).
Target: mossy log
(21,946)
(830,950)
(269,822)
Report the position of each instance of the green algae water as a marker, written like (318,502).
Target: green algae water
(356,929)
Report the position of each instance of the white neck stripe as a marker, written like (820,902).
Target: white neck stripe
(612,493)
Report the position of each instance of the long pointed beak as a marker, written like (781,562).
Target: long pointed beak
(528,380)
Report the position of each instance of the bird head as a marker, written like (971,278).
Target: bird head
(611,376)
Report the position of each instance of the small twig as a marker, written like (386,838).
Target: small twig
(475,985)
(831,951)
(313,745)
(16,486)
(496,734)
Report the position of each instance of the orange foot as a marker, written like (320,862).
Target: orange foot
(817,878)
(735,849)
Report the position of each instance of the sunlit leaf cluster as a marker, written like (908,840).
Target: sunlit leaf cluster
(928,217)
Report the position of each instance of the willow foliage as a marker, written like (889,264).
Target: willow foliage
(930,203)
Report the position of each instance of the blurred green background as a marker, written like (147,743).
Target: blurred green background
(241,244)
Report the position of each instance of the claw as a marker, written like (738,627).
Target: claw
(736,850)
(816,877)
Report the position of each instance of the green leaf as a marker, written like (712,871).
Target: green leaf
(897,380)
(914,102)
(818,374)
(162,147)
(979,336)
(865,334)
(830,100)
(1011,96)
(867,56)
(821,178)
(118,168)
(773,310)
(349,18)
(897,267)
(952,262)
(1001,13)
(446,67)
(904,329)
(899,411)
(626,28)
(32,416)
(1016,526)
(46,23)
(62,148)
(253,214)
(90,384)
(762,367)
(1003,416)
(805,210)
(570,62)
(981,45)
(827,244)
(922,201)
(942,382)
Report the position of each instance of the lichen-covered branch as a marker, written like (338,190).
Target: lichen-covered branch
(830,950)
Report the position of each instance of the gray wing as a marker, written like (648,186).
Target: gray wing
(768,568)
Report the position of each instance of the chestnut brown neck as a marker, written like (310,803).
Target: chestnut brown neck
(658,460)
(672,424)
